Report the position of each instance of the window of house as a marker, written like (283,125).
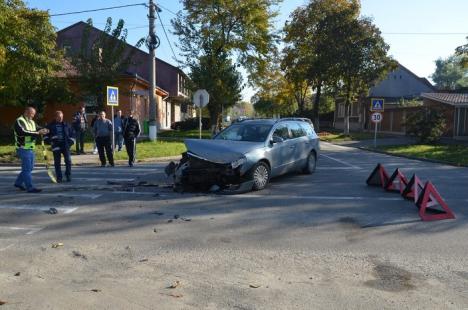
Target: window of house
(354,109)
(341,110)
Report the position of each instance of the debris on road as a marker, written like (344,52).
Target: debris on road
(173,295)
(143,260)
(78,254)
(2,302)
(170,221)
(56,245)
(176,216)
(17,274)
(52,211)
(174,285)
(186,219)
(157,213)
(96,290)
(254,285)
(155,230)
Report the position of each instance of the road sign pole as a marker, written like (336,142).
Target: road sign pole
(113,129)
(200,121)
(375,135)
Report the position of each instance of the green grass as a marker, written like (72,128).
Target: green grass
(192,134)
(453,154)
(353,136)
(148,149)
(145,150)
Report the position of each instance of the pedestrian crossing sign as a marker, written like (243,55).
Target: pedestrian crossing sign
(112,96)
(377,104)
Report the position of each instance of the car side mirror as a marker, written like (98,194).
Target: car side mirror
(276,139)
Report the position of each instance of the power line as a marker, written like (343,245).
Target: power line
(102,9)
(172,12)
(426,33)
(167,37)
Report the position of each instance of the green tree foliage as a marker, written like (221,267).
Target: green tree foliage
(28,57)
(363,61)
(450,74)
(462,51)
(216,29)
(427,124)
(101,61)
(311,38)
(222,81)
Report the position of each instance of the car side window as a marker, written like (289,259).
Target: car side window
(282,132)
(296,130)
(308,129)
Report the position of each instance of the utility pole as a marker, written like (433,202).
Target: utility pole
(152,42)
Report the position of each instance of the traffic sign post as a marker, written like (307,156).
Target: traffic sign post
(376,118)
(377,105)
(112,100)
(200,100)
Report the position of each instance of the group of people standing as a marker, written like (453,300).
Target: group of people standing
(126,129)
(61,136)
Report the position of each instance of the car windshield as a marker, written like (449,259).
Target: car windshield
(245,132)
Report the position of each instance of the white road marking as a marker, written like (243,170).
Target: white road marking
(316,197)
(30,230)
(7,247)
(340,161)
(42,208)
(335,168)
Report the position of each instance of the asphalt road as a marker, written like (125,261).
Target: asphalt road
(321,241)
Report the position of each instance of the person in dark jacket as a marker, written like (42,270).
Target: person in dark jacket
(61,138)
(26,131)
(131,131)
(80,124)
(103,133)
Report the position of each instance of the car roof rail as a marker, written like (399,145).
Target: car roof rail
(300,119)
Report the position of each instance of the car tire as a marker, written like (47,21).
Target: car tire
(260,175)
(311,163)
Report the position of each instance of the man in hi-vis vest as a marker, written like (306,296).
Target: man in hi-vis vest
(26,132)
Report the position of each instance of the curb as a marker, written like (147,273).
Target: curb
(82,164)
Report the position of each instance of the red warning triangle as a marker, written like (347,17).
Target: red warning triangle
(413,188)
(378,177)
(427,202)
(397,182)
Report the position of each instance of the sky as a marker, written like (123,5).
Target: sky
(418,31)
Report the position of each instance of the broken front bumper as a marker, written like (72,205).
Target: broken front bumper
(196,173)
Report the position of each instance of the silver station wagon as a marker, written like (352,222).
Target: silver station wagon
(248,154)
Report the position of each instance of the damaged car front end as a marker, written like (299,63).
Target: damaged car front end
(208,166)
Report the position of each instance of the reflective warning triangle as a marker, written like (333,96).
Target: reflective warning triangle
(431,205)
(378,177)
(397,182)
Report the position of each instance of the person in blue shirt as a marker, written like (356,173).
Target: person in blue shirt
(118,130)
(61,137)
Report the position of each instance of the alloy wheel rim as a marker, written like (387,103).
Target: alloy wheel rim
(311,163)
(261,176)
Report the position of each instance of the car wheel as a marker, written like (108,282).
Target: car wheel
(260,176)
(311,163)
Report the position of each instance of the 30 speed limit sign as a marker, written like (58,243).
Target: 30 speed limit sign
(376,117)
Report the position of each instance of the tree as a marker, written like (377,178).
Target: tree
(311,37)
(28,57)
(216,29)
(222,81)
(450,73)
(363,61)
(462,51)
(428,124)
(101,60)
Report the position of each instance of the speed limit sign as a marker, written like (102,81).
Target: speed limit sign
(376,117)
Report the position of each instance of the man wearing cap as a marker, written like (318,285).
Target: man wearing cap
(26,132)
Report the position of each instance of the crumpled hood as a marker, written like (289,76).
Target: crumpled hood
(220,151)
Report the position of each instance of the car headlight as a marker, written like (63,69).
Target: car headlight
(239,162)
